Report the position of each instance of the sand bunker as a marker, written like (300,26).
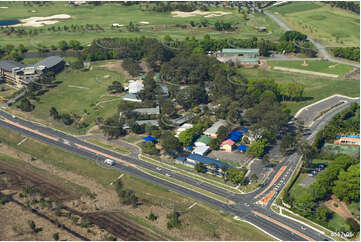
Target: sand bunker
(117,25)
(41,21)
(198,12)
(4,7)
(144,22)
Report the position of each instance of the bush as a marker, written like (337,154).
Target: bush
(152,217)
(56,236)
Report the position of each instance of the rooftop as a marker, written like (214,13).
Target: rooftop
(147,110)
(149,138)
(153,122)
(8,65)
(214,128)
(50,61)
(200,149)
(204,139)
(228,142)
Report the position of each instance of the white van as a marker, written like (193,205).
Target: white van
(108,162)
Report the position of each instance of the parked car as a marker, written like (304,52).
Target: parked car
(109,162)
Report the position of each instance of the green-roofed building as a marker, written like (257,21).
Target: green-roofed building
(203,140)
(242,55)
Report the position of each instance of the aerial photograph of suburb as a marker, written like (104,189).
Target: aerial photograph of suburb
(179,120)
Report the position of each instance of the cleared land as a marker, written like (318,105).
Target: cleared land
(315,65)
(316,88)
(329,26)
(199,223)
(160,24)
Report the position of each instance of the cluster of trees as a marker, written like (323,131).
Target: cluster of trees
(164,7)
(236,175)
(26,105)
(149,148)
(202,23)
(132,27)
(131,66)
(113,127)
(10,52)
(126,196)
(350,53)
(187,137)
(115,87)
(65,117)
(341,178)
(352,6)
(174,221)
(347,121)
(223,26)
(72,44)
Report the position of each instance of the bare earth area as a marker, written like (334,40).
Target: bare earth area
(341,209)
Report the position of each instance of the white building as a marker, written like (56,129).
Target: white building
(135,86)
(212,131)
(183,128)
(201,150)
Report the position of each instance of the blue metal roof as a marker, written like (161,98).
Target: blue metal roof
(242,148)
(149,138)
(189,147)
(180,158)
(237,133)
(234,138)
(245,129)
(206,160)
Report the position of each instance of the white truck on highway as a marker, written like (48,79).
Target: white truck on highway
(109,162)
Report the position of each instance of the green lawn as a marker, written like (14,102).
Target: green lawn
(298,191)
(330,26)
(316,88)
(315,65)
(109,13)
(337,223)
(354,208)
(79,93)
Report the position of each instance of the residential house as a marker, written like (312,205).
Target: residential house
(212,131)
(201,150)
(227,145)
(203,141)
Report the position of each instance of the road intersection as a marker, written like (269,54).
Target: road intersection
(252,207)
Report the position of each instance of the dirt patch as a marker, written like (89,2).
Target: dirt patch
(180,14)
(41,21)
(117,67)
(353,74)
(340,208)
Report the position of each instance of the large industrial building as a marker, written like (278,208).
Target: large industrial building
(21,75)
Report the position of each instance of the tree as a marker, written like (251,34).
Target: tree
(116,87)
(54,113)
(78,64)
(288,143)
(26,106)
(323,214)
(307,151)
(235,175)
(138,129)
(63,45)
(149,148)
(214,144)
(257,148)
(200,167)
(222,133)
(67,120)
(56,236)
(347,185)
(173,220)
(152,216)
(170,143)
(32,225)
(112,127)
(224,169)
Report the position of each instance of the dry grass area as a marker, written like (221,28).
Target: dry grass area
(206,14)
(117,67)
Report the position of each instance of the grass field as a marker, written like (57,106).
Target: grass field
(109,13)
(316,88)
(201,221)
(314,65)
(79,93)
(297,190)
(353,151)
(329,26)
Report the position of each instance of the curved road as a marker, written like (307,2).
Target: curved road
(321,48)
(253,207)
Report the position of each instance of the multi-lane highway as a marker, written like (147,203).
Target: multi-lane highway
(253,207)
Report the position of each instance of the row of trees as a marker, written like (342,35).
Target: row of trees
(65,117)
(348,5)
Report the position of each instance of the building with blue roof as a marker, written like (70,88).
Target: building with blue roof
(244,129)
(242,148)
(149,138)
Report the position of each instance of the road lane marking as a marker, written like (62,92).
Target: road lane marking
(279,173)
(282,225)
(30,130)
(267,198)
(106,155)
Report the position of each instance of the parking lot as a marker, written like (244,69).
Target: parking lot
(309,114)
(234,156)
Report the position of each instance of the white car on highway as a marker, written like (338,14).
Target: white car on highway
(109,162)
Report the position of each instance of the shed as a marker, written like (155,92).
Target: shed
(212,131)
(131,98)
(149,138)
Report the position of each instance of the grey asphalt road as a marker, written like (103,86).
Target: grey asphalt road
(322,49)
(275,224)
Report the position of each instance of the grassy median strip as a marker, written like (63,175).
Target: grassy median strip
(183,172)
(186,185)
